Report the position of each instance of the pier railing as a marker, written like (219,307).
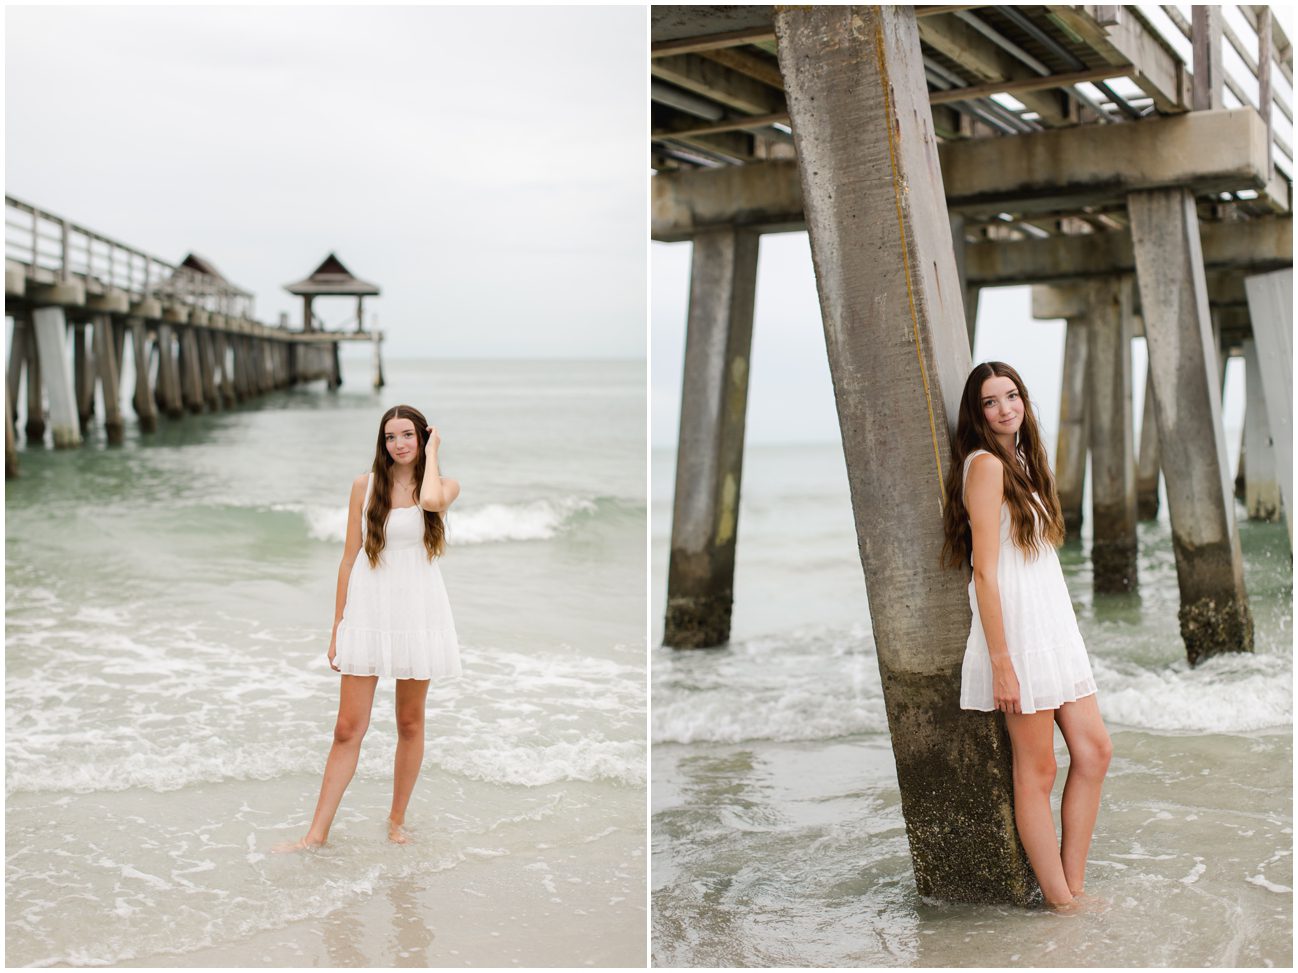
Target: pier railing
(1256,60)
(51,248)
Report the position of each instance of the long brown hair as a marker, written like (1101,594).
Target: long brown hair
(376,516)
(1024,473)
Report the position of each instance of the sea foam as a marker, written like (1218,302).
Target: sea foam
(490,523)
(825,685)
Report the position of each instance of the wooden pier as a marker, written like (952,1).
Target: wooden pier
(74,296)
(1101,154)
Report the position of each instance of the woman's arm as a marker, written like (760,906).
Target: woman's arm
(437,492)
(351,548)
(984,491)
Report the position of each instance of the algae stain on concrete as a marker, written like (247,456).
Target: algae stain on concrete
(727,513)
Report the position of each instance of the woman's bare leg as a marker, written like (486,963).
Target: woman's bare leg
(1032,736)
(355,700)
(411,695)
(1089,751)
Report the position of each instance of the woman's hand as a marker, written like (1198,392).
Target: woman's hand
(1005,687)
(434,441)
(333,652)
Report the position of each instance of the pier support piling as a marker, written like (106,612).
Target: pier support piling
(169,400)
(191,376)
(710,449)
(34,427)
(1147,464)
(1113,459)
(50,325)
(145,411)
(1214,614)
(335,370)
(84,376)
(1270,309)
(1261,482)
(897,339)
(378,363)
(1070,452)
(107,373)
(11,450)
(17,358)
(211,398)
(224,380)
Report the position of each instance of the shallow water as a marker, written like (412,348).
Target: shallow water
(777,831)
(169,705)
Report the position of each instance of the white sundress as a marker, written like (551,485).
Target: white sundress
(397,619)
(1045,645)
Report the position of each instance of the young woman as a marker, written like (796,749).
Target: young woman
(392,617)
(1025,656)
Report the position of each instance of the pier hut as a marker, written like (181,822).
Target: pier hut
(931,152)
(75,295)
(332,279)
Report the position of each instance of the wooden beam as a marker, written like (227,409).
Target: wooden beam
(757,68)
(934,9)
(1205,35)
(1281,47)
(978,56)
(1155,68)
(732,125)
(1026,84)
(711,80)
(1264,73)
(711,42)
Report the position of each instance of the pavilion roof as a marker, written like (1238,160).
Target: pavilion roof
(331,277)
(201,265)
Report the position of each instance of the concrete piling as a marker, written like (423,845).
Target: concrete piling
(145,411)
(1074,430)
(225,381)
(169,394)
(17,358)
(107,373)
(1214,614)
(34,428)
(1147,462)
(1270,308)
(50,325)
(11,450)
(191,376)
(378,363)
(898,348)
(83,376)
(335,369)
(1113,460)
(710,449)
(1262,482)
(206,384)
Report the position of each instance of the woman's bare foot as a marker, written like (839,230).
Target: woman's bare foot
(302,844)
(1086,902)
(397,833)
(1062,908)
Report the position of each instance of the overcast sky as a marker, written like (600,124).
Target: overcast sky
(483,166)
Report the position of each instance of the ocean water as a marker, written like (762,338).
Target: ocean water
(169,707)
(777,834)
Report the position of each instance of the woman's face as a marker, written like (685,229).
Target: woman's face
(1002,405)
(401,441)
